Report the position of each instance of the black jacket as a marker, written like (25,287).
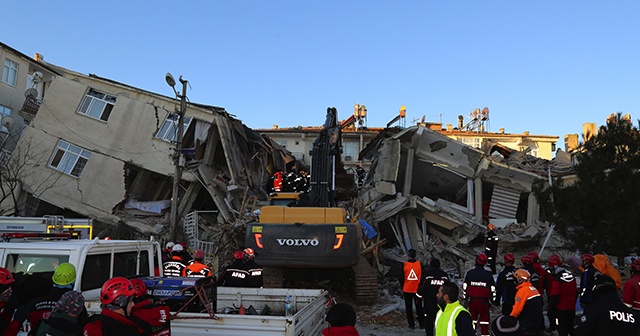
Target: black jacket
(607,315)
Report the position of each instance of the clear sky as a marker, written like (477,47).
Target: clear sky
(540,66)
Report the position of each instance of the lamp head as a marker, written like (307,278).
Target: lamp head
(169,78)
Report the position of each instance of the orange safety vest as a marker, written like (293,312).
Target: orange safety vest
(412,276)
(197,269)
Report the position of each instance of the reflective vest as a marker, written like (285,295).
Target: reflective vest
(412,276)
(445,320)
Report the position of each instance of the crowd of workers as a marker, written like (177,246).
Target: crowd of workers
(443,308)
(296,180)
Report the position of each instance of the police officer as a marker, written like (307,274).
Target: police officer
(479,290)
(506,285)
(491,246)
(606,314)
(432,279)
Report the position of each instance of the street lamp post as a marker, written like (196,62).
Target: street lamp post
(173,234)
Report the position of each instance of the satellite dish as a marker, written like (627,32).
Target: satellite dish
(8,121)
(31,93)
(37,77)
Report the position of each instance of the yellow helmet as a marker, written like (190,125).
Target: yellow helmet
(65,274)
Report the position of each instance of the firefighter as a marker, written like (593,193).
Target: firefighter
(412,274)
(631,287)
(491,246)
(432,279)
(174,266)
(562,297)
(64,278)
(152,318)
(506,285)
(606,314)
(197,268)
(587,279)
(235,275)
(252,268)
(63,320)
(8,300)
(116,301)
(528,305)
(479,290)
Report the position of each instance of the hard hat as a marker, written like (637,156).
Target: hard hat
(6,278)
(238,255)
(522,275)
(198,255)
(481,259)
(490,226)
(115,287)
(555,260)
(139,287)
(65,274)
(249,253)
(177,248)
(170,245)
(509,257)
(534,255)
(588,258)
(635,266)
(526,259)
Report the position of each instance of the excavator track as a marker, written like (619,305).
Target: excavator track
(366,282)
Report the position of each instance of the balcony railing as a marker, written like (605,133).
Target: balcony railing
(30,108)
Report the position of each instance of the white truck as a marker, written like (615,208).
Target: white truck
(33,262)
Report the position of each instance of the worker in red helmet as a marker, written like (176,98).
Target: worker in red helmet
(506,285)
(491,246)
(479,291)
(234,275)
(528,305)
(587,279)
(174,266)
(563,293)
(253,268)
(116,301)
(8,300)
(197,268)
(527,264)
(153,319)
(542,273)
(631,287)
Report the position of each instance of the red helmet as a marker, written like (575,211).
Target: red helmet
(238,255)
(635,266)
(481,259)
(509,257)
(249,253)
(139,287)
(491,226)
(198,255)
(535,256)
(522,275)
(6,277)
(555,260)
(588,258)
(526,259)
(115,287)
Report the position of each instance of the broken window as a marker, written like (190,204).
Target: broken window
(169,129)
(69,159)
(10,73)
(97,105)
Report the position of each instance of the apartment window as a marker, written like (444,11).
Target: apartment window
(282,143)
(69,159)
(10,73)
(169,129)
(473,142)
(4,111)
(97,105)
(350,151)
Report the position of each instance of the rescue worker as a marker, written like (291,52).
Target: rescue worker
(153,319)
(527,264)
(505,325)
(166,253)
(506,285)
(253,269)
(563,294)
(302,181)
(479,290)
(453,318)
(276,180)
(342,320)
(542,273)
(432,279)
(197,268)
(491,246)
(288,184)
(63,320)
(528,305)
(64,278)
(606,314)
(116,301)
(412,274)
(588,278)
(174,266)
(631,287)
(235,275)
(8,300)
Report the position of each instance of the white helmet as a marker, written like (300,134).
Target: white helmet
(169,245)
(177,248)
